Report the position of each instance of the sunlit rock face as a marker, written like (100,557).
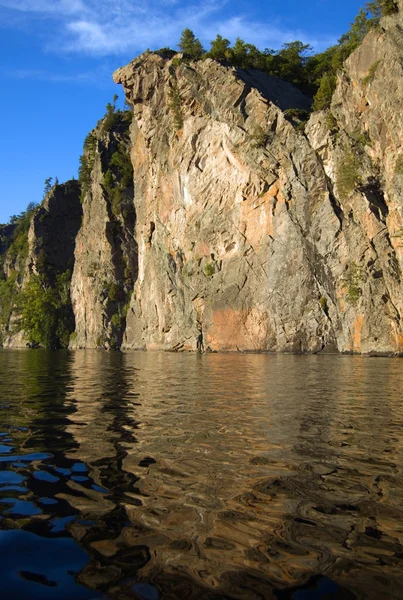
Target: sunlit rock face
(105,251)
(239,231)
(253,235)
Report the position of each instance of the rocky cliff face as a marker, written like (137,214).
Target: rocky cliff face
(212,222)
(253,235)
(106,249)
(43,246)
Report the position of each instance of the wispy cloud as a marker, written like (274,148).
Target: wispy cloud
(108,27)
(42,75)
(57,7)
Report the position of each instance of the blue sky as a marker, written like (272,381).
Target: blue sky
(57,57)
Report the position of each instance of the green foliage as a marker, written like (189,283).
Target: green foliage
(354,281)
(114,292)
(8,295)
(323,96)
(246,56)
(125,309)
(292,59)
(399,165)
(294,62)
(111,117)
(297,117)
(259,137)
(389,7)
(381,8)
(18,249)
(348,173)
(118,177)
(121,163)
(86,163)
(116,320)
(209,270)
(166,53)
(371,73)
(219,48)
(331,122)
(190,45)
(361,138)
(177,61)
(326,65)
(48,186)
(174,103)
(46,315)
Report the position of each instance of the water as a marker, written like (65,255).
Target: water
(158,476)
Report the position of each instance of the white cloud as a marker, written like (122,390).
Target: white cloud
(43,75)
(62,7)
(107,27)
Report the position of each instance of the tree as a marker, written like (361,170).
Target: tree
(46,313)
(239,53)
(381,8)
(189,44)
(48,185)
(219,48)
(323,96)
(292,59)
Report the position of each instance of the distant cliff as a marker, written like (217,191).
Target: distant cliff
(214,219)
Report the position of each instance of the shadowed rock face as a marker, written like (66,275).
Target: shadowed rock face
(6,232)
(49,248)
(53,231)
(250,234)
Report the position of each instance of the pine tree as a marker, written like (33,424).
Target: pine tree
(323,96)
(189,44)
(219,48)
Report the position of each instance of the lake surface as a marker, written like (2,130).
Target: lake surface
(148,475)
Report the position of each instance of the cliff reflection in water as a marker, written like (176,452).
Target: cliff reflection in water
(214,476)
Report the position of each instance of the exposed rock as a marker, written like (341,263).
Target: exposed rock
(47,250)
(106,250)
(53,231)
(253,235)
(242,232)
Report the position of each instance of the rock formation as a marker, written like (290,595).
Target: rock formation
(243,231)
(253,235)
(46,248)
(106,248)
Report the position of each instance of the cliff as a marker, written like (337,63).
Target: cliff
(235,227)
(254,235)
(106,249)
(40,245)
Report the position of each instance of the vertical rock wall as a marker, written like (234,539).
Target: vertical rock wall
(247,237)
(106,250)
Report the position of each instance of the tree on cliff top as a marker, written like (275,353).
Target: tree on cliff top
(189,44)
(219,48)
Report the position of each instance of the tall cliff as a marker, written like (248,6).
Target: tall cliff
(106,249)
(254,235)
(37,251)
(214,219)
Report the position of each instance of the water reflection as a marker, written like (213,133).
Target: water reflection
(215,476)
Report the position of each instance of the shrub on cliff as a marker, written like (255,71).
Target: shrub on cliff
(8,294)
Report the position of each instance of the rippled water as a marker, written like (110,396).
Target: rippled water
(217,476)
